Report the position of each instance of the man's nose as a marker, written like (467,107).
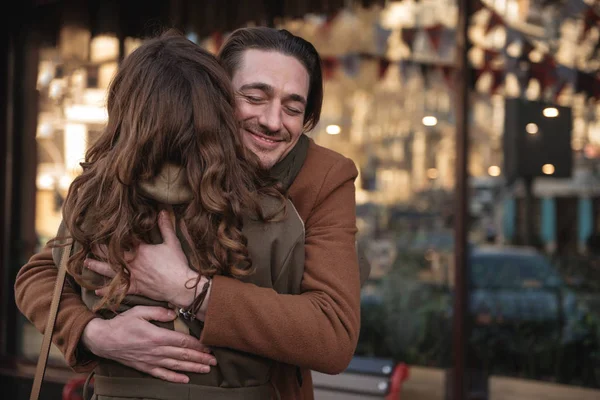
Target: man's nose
(271,117)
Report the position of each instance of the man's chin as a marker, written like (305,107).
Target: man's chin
(266,163)
(265,159)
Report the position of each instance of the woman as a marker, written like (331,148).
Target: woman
(171,147)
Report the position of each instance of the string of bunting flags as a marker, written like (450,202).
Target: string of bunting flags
(552,77)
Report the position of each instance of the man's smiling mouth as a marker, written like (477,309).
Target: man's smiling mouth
(264,138)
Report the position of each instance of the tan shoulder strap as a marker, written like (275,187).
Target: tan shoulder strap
(47,341)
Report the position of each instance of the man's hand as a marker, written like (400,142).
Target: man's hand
(159,272)
(133,341)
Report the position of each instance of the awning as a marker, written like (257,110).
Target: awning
(141,18)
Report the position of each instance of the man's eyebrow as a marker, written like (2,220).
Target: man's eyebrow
(296,97)
(268,89)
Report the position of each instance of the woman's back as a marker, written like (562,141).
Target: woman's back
(277,252)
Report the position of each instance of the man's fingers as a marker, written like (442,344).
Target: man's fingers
(167,230)
(100,267)
(192,356)
(151,314)
(184,366)
(163,336)
(166,337)
(162,373)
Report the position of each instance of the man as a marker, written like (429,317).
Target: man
(278,83)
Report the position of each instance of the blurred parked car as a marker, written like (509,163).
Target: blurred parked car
(517,285)
(526,321)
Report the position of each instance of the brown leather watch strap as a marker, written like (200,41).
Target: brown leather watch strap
(47,340)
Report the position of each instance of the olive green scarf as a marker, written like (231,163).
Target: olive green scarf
(286,170)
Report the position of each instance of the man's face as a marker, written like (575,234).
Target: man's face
(271,91)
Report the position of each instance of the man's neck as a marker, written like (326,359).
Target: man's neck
(286,170)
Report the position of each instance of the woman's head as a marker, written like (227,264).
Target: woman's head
(169,103)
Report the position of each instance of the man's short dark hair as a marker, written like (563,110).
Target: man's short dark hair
(281,41)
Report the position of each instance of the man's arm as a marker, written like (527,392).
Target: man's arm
(319,328)
(34,286)
(129,338)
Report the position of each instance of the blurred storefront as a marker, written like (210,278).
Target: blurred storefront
(390,106)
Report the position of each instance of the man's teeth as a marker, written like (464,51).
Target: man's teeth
(266,140)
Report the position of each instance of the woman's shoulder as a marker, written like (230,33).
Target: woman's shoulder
(284,213)
(285,228)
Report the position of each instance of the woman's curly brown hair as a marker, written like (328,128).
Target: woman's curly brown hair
(170,102)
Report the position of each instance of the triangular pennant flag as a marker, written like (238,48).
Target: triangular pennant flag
(325,28)
(494,21)
(596,89)
(585,83)
(550,63)
(544,72)
(448,75)
(590,19)
(497,80)
(351,64)
(383,67)
(488,57)
(435,35)
(476,5)
(217,39)
(475,75)
(526,48)
(558,89)
(408,36)
(329,66)
(478,73)
(448,44)
(381,39)
(422,45)
(566,74)
(424,69)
